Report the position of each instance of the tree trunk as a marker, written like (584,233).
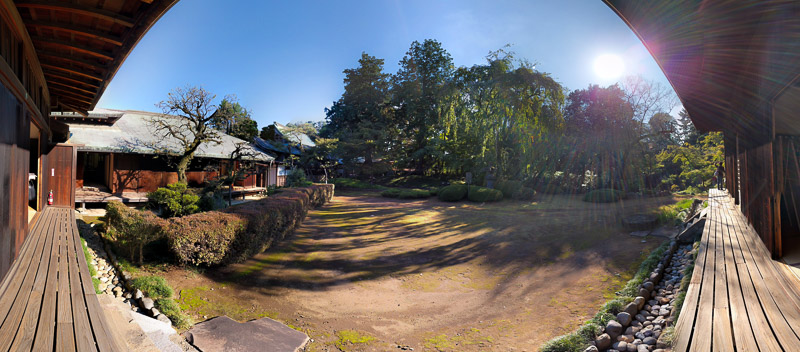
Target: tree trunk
(183,164)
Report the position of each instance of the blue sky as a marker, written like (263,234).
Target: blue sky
(284,59)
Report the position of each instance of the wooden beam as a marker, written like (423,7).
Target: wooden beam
(55,75)
(73,46)
(74,109)
(68,70)
(61,56)
(77,30)
(72,87)
(78,9)
(68,94)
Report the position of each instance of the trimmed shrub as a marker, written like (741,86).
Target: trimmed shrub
(129,230)
(173,200)
(153,286)
(452,193)
(603,195)
(515,190)
(204,238)
(483,194)
(405,193)
(243,230)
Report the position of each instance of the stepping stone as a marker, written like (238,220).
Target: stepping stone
(225,334)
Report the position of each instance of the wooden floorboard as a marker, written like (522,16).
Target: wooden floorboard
(48,301)
(738,299)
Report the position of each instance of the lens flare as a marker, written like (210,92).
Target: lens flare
(609,66)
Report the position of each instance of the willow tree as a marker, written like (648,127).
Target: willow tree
(186,123)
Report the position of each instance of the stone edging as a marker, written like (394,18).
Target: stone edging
(640,325)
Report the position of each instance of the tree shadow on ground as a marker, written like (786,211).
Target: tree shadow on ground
(361,237)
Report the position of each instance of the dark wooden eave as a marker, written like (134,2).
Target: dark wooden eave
(726,60)
(81,44)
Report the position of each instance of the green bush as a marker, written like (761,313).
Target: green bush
(482,194)
(153,286)
(297,178)
(603,195)
(168,307)
(515,190)
(211,201)
(92,269)
(434,191)
(405,193)
(452,193)
(174,200)
(130,230)
(243,230)
(203,238)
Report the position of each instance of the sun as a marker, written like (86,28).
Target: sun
(609,66)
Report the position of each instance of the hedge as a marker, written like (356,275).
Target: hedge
(241,231)
(406,193)
(515,190)
(483,194)
(603,195)
(452,193)
(130,230)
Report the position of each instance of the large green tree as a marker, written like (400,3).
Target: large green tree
(419,92)
(232,118)
(360,118)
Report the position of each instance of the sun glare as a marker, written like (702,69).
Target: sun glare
(609,66)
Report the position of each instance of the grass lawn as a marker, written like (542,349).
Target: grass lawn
(371,273)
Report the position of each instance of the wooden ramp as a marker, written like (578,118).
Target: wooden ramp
(738,299)
(47,301)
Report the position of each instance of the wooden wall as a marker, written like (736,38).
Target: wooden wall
(58,173)
(14,153)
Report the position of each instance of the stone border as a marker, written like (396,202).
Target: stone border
(640,325)
(109,271)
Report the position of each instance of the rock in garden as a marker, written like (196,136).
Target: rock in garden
(154,312)
(639,302)
(620,346)
(613,329)
(591,349)
(647,285)
(138,294)
(624,318)
(631,309)
(649,340)
(643,348)
(147,303)
(644,293)
(163,318)
(641,318)
(603,341)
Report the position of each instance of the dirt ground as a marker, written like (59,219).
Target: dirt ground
(366,273)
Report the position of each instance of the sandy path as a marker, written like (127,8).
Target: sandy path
(432,275)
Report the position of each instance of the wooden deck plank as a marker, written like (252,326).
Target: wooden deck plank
(701,335)
(13,279)
(759,265)
(46,328)
(30,319)
(722,336)
(65,334)
(80,316)
(743,338)
(14,316)
(686,323)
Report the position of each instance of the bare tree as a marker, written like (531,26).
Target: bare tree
(241,161)
(648,97)
(185,125)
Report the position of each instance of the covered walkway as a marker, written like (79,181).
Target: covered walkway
(47,301)
(739,299)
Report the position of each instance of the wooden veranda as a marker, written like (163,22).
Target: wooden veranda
(739,299)
(47,301)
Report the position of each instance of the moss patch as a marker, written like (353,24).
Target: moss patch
(348,340)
